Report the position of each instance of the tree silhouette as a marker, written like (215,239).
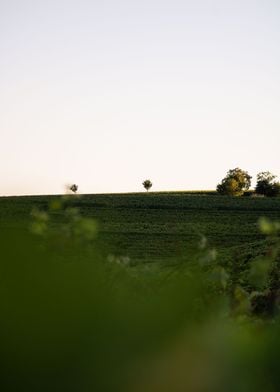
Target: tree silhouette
(266,184)
(74,188)
(147,184)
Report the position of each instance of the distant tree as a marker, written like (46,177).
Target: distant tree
(235,183)
(266,184)
(275,191)
(147,184)
(229,187)
(74,188)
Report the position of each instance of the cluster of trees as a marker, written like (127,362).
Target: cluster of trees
(267,185)
(238,181)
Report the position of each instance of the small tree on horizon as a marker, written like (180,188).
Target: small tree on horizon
(74,188)
(147,184)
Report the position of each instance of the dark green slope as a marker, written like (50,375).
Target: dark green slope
(160,226)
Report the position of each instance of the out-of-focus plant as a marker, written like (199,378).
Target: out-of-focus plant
(74,226)
(39,224)
(73,320)
(264,273)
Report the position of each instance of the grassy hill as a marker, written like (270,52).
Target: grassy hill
(159,226)
(72,320)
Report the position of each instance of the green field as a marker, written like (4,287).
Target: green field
(74,319)
(150,227)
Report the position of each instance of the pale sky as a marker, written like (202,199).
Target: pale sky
(108,93)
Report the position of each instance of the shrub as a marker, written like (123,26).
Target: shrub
(235,183)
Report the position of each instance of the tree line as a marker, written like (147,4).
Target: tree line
(238,181)
(235,183)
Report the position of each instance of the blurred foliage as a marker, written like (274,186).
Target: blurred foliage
(74,320)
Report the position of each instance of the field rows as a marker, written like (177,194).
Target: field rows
(159,226)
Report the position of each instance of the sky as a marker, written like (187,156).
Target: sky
(106,94)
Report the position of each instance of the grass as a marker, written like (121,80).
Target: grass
(160,226)
(74,320)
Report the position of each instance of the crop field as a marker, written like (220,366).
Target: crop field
(150,227)
(113,293)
